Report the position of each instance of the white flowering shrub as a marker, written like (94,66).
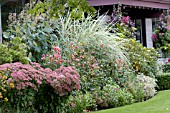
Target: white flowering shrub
(148,84)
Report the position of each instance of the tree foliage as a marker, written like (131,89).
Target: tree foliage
(61,7)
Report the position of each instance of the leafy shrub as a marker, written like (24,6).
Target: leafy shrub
(31,87)
(112,96)
(163,81)
(148,84)
(135,89)
(79,102)
(37,32)
(144,60)
(13,52)
(166,68)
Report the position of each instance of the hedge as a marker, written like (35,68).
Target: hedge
(163,81)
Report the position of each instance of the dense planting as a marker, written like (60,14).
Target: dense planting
(82,65)
(33,88)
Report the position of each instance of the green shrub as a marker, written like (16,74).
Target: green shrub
(166,68)
(14,51)
(112,96)
(37,32)
(163,81)
(144,60)
(148,84)
(79,102)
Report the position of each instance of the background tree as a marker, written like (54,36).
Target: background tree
(61,7)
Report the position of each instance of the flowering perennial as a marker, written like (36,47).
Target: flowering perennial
(20,76)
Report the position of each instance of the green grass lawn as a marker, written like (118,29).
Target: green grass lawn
(158,104)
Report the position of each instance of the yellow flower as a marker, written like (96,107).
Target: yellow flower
(137,68)
(11,85)
(1,95)
(4,77)
(4,90)
(5,99)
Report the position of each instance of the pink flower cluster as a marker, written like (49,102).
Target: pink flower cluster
(55,57)
(24,76)
(63,80)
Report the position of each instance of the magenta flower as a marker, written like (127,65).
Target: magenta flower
(101,45)
(154,37)
(126,19)
(169,60)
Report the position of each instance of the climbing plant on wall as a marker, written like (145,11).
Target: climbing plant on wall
(161,35)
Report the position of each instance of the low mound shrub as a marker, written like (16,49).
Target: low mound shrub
(112,96)
(148,84)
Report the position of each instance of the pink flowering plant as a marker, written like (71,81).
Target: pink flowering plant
(75,55)
(122,25)
(32,87)
(161,34)
(91,61)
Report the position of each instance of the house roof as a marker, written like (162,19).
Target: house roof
(161,4)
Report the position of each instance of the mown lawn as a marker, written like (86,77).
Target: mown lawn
(158,104)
